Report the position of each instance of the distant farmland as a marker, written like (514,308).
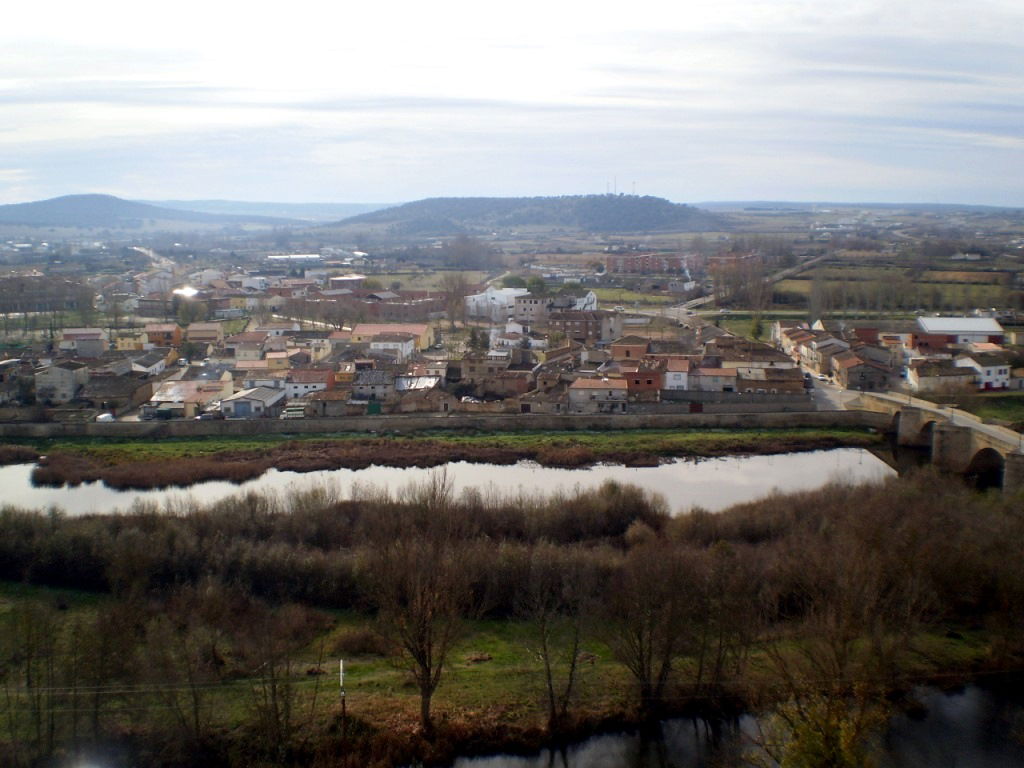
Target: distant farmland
(890,287)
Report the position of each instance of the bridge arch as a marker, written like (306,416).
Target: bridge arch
(894,423)
(926,434)
(986,469)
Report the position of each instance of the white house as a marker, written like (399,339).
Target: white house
(677,374)
(151,364)
(156,281)
(992,369)
(402,345)
(713,379)
(249,403)
(205,276)
(495,304)
(87,342)
(61,382)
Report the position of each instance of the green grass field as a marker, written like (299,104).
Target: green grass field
(664,442)
(925,295)
(422,281)
(610,297)
(1003,406)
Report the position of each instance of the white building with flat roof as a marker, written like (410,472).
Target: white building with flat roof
(962,330)
(496,304)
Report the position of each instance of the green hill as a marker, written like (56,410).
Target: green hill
(589,213)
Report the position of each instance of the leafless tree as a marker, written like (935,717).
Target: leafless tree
(556,602)
(455,287)
(646,622)
(420,586)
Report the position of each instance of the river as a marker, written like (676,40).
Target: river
(711,484)
(973,727)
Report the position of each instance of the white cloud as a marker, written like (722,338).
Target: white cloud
(410,98)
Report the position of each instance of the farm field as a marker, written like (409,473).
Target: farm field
(608,297)
(423,281)
(897,291)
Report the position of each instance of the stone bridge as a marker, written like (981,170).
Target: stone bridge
(959,441)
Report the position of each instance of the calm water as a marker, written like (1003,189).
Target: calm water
(972,728)
(712,483)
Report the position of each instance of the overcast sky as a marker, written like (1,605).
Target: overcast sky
(693,100)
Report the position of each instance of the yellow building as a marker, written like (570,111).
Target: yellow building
(130,341)
(364,333)
(277,361)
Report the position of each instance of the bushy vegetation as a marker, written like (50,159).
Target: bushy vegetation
(132,464)
(210,627)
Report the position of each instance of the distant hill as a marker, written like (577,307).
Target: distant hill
(109,212)
(792,205)
(307,211)
(440,216)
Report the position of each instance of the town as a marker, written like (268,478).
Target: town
(306,336)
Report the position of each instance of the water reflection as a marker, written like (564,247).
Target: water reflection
(972,728)
(713,484)
(684,743)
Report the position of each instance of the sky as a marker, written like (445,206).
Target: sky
(894,101)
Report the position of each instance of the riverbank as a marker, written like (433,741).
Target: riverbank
(143,464)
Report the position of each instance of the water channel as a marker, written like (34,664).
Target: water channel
(973,727)
(712,484)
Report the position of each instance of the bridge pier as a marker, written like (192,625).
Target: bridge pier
(910,423)
(952,447)
(1013,473)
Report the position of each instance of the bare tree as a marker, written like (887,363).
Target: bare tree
(556,602)
(421,591)
(646,622)
(859,599)
(726,615)
(420,585)
(455,287)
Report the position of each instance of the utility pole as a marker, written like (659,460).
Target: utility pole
(344,714)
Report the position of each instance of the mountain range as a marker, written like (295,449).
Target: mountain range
(432,217)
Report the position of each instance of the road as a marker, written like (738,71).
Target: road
(828,396)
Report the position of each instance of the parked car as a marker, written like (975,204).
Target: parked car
(106,418)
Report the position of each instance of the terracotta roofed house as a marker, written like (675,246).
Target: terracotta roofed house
(591,395)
